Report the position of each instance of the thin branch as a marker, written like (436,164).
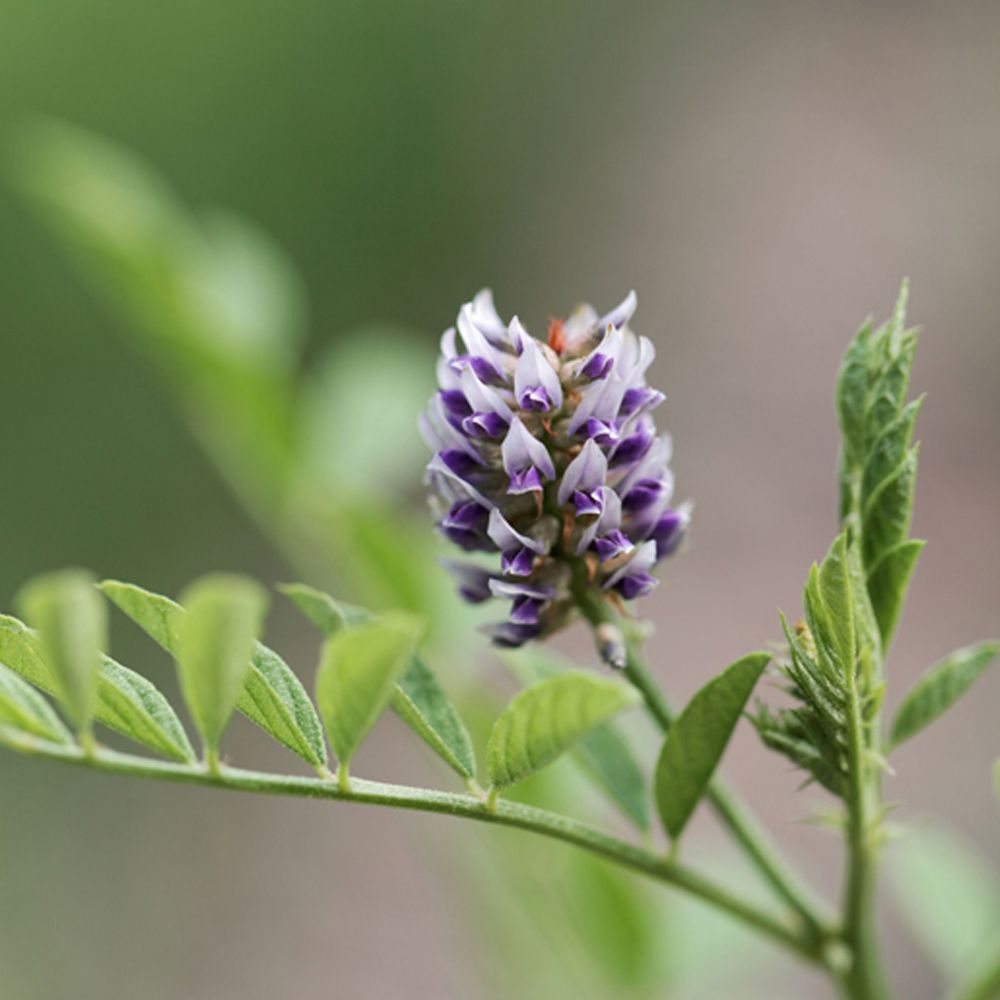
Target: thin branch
(509,814)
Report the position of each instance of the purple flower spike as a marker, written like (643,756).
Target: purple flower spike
(548,455)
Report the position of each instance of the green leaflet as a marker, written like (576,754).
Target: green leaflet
(698,738)
(327,614)
(24,709)
(888,581)
(215,642)
(418,700)
(358,673)
(546,719)
(126,702)
(604,754)
(272,698)
(71,621)
(940,688)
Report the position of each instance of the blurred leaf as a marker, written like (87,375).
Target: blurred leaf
(358,673)
(359,411)
(71,621)
(272,698)
(698,738)
(546,719)
(326,613)
(126,702)
(603,754)
(418,700)
(939,688)
(426,709)
(948,893)
(215,640)
(217,304)
(24,709)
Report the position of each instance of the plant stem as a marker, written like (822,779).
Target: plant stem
(511,814)
(863,979)
(737,817)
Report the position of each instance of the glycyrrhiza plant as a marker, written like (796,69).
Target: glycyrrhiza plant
(546,460)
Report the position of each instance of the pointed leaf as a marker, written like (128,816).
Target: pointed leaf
(326,613)
(546,719)
(357,677)
(604,754)
(888,582)
(940,688)
(272,698)
(698,738)
(838,600)
(424,707)
(24,709)
(215,640)
(71,621)
(888,511)
(418,700)
(126,702)
(607,757)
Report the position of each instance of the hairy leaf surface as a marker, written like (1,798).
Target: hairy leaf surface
(546,719)
(698,738)
(272,698)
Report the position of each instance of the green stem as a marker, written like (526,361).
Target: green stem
(737,817)
(505,813)
(863,979)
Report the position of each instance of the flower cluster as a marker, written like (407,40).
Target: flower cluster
(548,454)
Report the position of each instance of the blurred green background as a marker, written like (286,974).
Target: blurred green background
(763,174)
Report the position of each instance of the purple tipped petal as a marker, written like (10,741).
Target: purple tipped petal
(586,472)
(461,463)
(644,494)
(633,579)
(528,481)
(517,562)
(526,610)
(599,401)
(536,383)
(486,371)
(523,454)
(597,366)
(511,635)
(669,530)
(507,539)
(473,580)
(455,404)
(487,425)
(587,504)
(640,399)
(613,544)
(602,432)
(632,448)
(465,525)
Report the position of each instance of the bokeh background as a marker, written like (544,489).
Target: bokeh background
(763,174)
